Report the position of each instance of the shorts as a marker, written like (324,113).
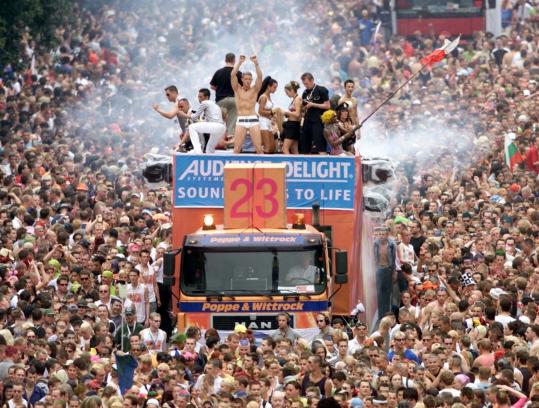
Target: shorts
(247,122)
(291,130)
(265,124)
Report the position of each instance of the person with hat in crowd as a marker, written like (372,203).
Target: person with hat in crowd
(129,327)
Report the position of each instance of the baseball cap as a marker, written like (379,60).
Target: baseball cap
(495,293)
(130,310)
(244,342)
(108,274)
(72,308)
(356,403)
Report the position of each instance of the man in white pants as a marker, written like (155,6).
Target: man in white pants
(213,119)
(213,123)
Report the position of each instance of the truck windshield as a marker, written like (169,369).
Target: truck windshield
(252,271)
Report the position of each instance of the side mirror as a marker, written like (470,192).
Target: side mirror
(341,267)
(169,267)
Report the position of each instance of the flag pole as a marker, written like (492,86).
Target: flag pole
(436,56)
(392,94)
(122,330)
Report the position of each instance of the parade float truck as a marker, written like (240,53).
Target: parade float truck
(255,236)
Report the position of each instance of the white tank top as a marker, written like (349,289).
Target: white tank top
(135,297)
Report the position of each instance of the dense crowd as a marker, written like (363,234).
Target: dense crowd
(83,236)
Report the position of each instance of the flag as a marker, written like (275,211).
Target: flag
(512,154)
(126,365)
(440,53)
(33,65)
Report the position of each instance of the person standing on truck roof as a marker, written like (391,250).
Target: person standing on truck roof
(284,330)
(246,102)
(385,255)
(224,94)
(212,124)
(179,108)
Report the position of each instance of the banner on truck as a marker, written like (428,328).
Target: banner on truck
(328,181)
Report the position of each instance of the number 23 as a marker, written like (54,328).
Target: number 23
(248,195)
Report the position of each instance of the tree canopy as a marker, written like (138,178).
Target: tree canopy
(38,18)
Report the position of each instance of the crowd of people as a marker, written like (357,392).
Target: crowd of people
(83,318)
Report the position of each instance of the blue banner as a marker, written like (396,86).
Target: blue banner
(252,307)
(220,240)
(326,180)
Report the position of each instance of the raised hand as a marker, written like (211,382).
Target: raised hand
(253,59)
(242,59)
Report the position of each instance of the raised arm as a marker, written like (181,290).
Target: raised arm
(234,73)
(169,115)
(258,83)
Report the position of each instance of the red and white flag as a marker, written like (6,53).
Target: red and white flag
(440,53)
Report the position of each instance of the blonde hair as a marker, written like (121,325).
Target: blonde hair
(292,86)
(328,116)
(279,118)
(86,327)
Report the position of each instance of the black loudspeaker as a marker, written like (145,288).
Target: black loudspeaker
(157,173)
(341,267)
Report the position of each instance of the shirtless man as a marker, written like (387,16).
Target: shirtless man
(245,103)
(350,100)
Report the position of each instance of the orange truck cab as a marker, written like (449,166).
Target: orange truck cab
(297,250)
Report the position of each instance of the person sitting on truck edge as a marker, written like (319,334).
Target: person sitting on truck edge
(284,330)
(306,273)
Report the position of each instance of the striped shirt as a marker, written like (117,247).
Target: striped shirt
(210,110)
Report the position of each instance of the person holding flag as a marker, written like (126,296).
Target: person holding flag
(512,154)
(428,61)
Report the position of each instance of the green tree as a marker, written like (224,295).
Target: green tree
(39,17)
